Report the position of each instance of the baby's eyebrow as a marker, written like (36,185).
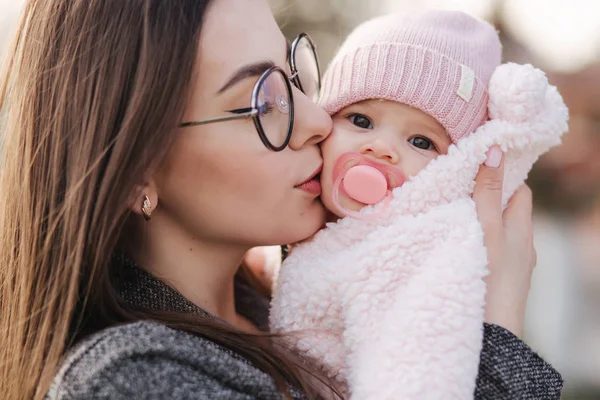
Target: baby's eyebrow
(425,129)
(442,135)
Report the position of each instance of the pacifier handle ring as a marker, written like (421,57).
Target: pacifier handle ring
(354,214)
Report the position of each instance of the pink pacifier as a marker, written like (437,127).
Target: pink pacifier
(365,181)
(365,184)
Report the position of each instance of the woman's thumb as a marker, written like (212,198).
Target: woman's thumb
(488,189)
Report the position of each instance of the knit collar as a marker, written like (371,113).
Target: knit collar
(140,289)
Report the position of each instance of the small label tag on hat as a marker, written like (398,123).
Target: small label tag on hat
(467,81)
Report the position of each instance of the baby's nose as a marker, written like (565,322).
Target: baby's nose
(382,149)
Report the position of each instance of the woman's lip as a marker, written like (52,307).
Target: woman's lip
(313,187)
(312,176)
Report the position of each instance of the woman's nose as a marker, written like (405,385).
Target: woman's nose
(382,149)
(312,124)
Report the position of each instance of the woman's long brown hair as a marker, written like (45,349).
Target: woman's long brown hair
(90,94)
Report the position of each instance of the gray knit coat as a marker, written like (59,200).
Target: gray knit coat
(148,360)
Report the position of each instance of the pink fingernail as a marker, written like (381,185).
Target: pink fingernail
(494,157)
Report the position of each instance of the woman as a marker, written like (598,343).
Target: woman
(135,182)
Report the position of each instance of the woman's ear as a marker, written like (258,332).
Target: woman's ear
(144,200)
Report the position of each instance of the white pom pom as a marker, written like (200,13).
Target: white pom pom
(517,92)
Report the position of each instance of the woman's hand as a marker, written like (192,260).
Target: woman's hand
(509,241)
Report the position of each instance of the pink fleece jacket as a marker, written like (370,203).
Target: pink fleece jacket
(394,307)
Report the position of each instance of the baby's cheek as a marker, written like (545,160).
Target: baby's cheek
(337,143)
(332,144)
(329,158)
(340,141)
(326,190)
(417,164)
(331,149)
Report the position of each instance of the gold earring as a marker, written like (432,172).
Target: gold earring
(147,209)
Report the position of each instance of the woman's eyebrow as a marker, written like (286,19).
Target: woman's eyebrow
(247,71)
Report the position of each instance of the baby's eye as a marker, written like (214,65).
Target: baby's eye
(361,121)
(422,143)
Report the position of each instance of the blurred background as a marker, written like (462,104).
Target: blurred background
(562,37)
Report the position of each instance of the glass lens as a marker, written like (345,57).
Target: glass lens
(274,108)
(305,61)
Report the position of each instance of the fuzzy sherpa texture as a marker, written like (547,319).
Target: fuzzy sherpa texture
(394,307)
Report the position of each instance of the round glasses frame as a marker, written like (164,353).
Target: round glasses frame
(295,74)
(254,111)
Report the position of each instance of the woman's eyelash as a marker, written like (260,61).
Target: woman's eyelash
(265,108)
(241,110)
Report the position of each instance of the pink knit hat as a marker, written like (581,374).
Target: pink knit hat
(437,61)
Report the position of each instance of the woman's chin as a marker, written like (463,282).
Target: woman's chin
(307,224)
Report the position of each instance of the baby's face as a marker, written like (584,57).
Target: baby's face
(387,133)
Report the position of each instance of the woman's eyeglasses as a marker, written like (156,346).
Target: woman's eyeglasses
(272,103)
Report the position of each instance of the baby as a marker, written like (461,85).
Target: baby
(389,298)
(401,90)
